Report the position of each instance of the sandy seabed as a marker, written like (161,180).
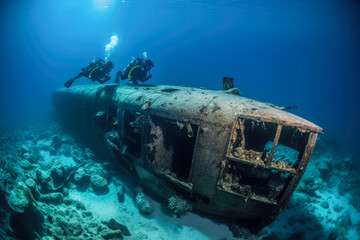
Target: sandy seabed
(53,188)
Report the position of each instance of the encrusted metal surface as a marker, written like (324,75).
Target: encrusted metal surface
(210,147)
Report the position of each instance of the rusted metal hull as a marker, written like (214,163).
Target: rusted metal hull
(225,154)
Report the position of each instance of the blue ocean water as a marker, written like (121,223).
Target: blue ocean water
(286,52)
(303,53)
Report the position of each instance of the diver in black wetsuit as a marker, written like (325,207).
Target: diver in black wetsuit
(137,70)
(97,70)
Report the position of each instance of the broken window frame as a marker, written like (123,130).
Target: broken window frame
(106,119)
(238,178)
(125,153)
(184,184)
(144,161)
(294,173)
(269,159)
(286,195)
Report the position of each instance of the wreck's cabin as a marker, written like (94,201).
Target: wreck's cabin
(229,155)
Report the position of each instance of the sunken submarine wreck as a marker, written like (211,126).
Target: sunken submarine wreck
(228,155)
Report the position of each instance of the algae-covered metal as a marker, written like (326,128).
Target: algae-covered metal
(228,155)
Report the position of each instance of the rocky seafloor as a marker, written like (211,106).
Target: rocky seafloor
(53,188)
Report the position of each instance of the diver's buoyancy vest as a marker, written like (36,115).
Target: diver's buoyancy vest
(131,70)
(92,70)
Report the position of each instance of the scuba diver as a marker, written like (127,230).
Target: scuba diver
(97,70)
(137,70)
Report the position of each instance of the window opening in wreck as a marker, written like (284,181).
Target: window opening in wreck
(252,142)
(132,132)
(251,170)
(171,146)
(106,121)
(257,134)
(100,120)
(255,183)
(291,145)
(250,138)
(283,153)
(112,114)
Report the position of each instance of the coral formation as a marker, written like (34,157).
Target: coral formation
(143,204)
(39,167)
(179,205)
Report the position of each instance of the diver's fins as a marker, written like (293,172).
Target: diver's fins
(67,84)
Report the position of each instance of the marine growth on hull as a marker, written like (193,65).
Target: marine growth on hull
(217,151)
(253,168)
